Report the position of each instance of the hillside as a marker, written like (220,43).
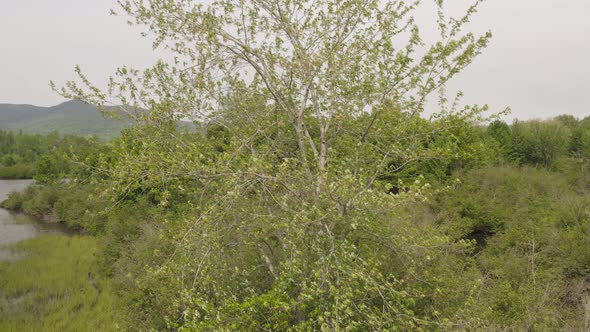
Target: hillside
(71,117)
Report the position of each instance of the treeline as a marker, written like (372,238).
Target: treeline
(543,143)
(556,144)
(43,157)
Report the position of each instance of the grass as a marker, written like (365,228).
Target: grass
(57,287)
(20,171)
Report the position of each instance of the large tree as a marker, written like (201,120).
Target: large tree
(292,224)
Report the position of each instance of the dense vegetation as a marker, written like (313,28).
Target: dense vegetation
(319,198)
(44,157)
(506,247)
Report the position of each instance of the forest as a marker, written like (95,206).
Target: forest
(320,194)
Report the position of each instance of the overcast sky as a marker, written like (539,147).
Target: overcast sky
(538,63)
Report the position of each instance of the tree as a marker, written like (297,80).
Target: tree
(540,142)
(580,141)
(319,100)
(567,120)
(316,62)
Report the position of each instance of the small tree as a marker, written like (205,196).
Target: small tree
(318,101)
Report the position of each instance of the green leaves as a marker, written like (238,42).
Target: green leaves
(280,217)
(528,244)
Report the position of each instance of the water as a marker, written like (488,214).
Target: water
(15,227)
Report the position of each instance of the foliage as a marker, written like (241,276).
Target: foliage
(532,231)
(539,143)
(317,105)
(72,204)
(302,207)
(46,157)
(580,143)
(17,171)
(550,144)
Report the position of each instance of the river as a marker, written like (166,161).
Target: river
(15,227)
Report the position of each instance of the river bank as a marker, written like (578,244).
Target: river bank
(60,203)
(16,226)
(50,278)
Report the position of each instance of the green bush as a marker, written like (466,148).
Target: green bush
(533,233)
(16,200)
(68,203)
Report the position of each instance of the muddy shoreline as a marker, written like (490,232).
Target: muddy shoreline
(16,226)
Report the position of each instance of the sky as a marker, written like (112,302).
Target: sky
(538,63)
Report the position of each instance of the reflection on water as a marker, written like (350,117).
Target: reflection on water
(15,227)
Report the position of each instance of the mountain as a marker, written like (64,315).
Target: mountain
(71,117)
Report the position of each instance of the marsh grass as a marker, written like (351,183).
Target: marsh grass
(57,286)
(19,171)
(22,219)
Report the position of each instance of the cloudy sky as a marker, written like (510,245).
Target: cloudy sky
(538,63)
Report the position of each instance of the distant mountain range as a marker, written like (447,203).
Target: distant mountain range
(72,117)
